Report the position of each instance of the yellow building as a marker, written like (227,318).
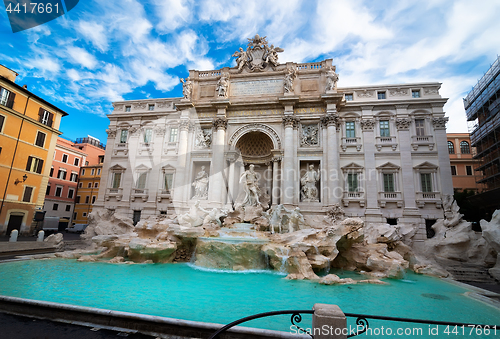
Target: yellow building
(88,187)
(29,127)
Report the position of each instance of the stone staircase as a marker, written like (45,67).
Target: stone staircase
(474,274)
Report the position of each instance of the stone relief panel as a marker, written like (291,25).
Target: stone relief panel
(403,123)
(439,123)
(399,92)
(367,124)
(365,94)
(309,135)
(203,138)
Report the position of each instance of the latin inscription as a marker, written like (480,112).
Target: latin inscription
(255,112)
(257,87)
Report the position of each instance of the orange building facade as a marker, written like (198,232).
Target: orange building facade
(29,127)
(462,163)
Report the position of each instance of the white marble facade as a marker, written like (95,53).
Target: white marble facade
(379,151)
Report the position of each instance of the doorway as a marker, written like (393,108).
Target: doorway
(15,222)
(136,217)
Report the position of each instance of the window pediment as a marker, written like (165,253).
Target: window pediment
(388,166)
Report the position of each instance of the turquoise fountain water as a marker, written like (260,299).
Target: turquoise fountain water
(184,292)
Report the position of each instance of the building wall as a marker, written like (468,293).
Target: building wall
(282,119)
(89,176)
(466,177)
(17,142)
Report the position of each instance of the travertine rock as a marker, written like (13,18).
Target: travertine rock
(231,256)
(106,222)
(491,233)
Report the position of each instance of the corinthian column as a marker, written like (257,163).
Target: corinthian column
(334,191)
(287,192)
(217,184)
(180,173)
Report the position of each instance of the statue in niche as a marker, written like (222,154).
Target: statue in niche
(309,188)
(251,187)
(203,138)
(222,86)
(288,81)
(331,79)
(242,58)
(200,184)
(194,217)
(187,88)
(309,135)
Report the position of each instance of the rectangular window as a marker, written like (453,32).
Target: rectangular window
(151,107)
(75,215)
(84,214)
(141,180)
(96,184)
(349,97)
(453,170)
(117,180)
(2,120)
(27,194)
(127,108)
(92,171)
(148,134)
(51,172)
(98,171)
(388,182)
(45,117)
(77,200)
(61,174)
(68,208)
(55,207)
(77,162)
(123,136)
(80,185)
(47,190)
(415,93)
(419,127)
(58,191)
(89,185)
(34,165)
(380,95)
(350,129)
(87,199)
(71,193)
(173,134)
(169,177)
(352,182)
(425,179)
(83,171)
(40,139)
(6,98)
(64,158)
(468,169)
(93,199)
(74,177)
(384,128)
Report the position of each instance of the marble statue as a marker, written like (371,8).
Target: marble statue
(222,86)
(331,80)
(194,217)
(452,213)
(272,54)
(187,88)
(295,220)
(275,217)
(309,189)
(251,187)
(242,58)
(200,184)
(288,81)
(203,138)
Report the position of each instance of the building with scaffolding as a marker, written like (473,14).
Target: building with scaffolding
(482,106)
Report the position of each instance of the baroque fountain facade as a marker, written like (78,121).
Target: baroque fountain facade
(269,165)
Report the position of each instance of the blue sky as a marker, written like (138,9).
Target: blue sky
(109,50)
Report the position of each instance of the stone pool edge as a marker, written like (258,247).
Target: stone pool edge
(477,293)
(126,321)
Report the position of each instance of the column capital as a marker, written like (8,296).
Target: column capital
(368,124)
(290,121)
(330,120)
(403,124)
(439,123)
(220,123)
(184,125)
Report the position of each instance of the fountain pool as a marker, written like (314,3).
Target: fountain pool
(186,292)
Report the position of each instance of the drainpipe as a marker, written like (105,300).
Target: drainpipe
(14,156)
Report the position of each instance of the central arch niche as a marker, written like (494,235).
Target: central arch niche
(255,147)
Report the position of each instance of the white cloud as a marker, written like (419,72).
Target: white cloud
(82,57)
(172,14)
(95,33)
(45,64)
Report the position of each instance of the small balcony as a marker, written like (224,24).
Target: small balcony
(140,193)
(390,197)
(354,197)
(163,194)
(351,142)
(386,142)
(422,140)
(121,148)
(423,198)
(116,193)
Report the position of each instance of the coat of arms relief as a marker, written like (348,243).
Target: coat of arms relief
(258,55)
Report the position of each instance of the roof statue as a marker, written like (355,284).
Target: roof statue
(258,55)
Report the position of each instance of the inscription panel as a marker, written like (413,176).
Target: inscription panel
(257,87)
(245,113)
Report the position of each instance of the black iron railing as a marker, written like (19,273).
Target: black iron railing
(362,324)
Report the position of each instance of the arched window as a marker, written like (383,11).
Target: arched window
(464,147)
(451,147)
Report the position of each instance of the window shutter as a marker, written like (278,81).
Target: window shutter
(40,114)
(27,194)
(51,117)
(64,176)
(40,166)
(28,165)
(10,101)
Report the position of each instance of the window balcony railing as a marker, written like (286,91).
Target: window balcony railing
(163,194)
(351,142)
(390,197)
(141,193)
(422,140)
(386,141)
(116,193)
(423,198)
(358,197)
